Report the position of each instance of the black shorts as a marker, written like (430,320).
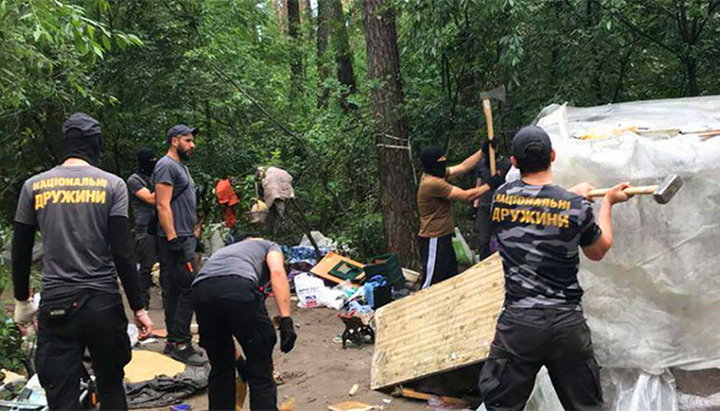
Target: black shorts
(438,259)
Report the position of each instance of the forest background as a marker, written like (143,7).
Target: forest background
(341,93)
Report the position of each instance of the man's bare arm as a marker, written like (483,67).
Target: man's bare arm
(279,282)
(467,165)
(163,195)
(146,196)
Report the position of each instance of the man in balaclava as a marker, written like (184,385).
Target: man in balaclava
(82,213)
(142,199)
(435,197)
(177,213)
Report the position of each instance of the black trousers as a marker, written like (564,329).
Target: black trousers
(228,307)
(527,339)
(438,259)
(482,226)
(146,252)
(98,324)
(176,281)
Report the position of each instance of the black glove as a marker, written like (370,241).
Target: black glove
(176,247)
(472,214)
(486,147)
(496,181)
(287,334)
(199,246)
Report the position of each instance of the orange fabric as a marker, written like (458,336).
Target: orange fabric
(225,193)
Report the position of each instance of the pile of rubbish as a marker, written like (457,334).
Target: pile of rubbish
(331,280)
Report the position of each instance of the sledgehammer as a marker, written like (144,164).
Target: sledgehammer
(662,193)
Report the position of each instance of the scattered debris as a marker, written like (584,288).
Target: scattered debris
(352,406)
(354,390)
(408,393)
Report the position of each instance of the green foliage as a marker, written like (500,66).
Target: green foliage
(141,66)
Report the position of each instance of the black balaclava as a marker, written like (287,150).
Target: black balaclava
(82,138)
(146,161)
(429,157)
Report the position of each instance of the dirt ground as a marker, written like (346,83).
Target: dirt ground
(318,372)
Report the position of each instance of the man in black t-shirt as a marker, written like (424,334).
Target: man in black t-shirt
(540,228)
(142,199)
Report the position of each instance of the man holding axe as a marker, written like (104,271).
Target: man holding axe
(540,228)
(435,197)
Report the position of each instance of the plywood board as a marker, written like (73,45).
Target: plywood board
(331,259)
(447,326)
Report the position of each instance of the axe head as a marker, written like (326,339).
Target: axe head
(667,189)
(497,94)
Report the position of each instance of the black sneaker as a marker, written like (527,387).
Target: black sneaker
(188,355)
(168,348)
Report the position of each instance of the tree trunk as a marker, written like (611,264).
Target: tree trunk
(343,54)
(397,199)
(293,12)
(323,35)
(692,76)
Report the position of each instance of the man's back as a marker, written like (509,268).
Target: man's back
(243,259)
(539,231)
(71,206)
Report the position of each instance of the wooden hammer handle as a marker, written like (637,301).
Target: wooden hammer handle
(487,109)
(631,191)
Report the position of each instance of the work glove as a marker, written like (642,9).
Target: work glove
(486,147)
(496,181)
(472,214)
(24,312)
(176,248)
(287,334)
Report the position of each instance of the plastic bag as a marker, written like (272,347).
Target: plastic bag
(634,390)
(462,250)
(311,292)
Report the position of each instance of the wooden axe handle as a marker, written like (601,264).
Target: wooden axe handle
(491,134)
(631,191)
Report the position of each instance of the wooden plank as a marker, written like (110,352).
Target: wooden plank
(447,326)
(408,393)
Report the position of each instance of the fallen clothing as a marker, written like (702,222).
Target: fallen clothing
(529,338)
(163,390)
(438,259)
(232,307)
(69,325)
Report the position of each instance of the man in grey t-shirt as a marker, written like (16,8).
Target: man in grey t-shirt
(228,303)
(176,208)
(82,214)
(142,198)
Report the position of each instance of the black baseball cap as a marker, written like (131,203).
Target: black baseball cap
(87,126)
(531,138)
(180,130)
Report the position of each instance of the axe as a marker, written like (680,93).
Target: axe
(662,193)
(498,94)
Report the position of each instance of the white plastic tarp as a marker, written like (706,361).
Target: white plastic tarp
(653,301)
